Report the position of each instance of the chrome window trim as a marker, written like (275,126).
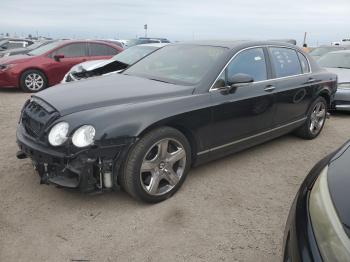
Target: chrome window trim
(250,137)
(271,79)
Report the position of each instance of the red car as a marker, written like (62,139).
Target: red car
(47,65)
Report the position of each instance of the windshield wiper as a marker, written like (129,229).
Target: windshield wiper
(343,67)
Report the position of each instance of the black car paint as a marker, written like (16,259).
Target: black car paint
(299,240)
(121,106)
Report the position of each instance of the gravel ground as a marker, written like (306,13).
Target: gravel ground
(233,209)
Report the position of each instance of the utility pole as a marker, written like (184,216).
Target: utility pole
(145,27)
(305,35)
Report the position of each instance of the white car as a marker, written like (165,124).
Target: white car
(117,63)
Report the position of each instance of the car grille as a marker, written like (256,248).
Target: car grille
(36,116)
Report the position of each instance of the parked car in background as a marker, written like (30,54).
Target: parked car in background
(289,41)
(318,52)
(24,50)
(345,41)
(338,62)
(11,43)
(145,40)
(47,65)
(115,64)
(318,226)
(180,106)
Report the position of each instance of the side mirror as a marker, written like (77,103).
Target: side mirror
(235,81)
(240,79)
(58,57)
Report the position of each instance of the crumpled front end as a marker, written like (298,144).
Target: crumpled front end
(89,169)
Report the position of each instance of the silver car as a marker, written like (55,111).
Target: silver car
(339,63)
(109,66)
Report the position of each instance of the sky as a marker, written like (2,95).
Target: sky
(179,20)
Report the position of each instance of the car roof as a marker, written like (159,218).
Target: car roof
(69,41)
(332,46)
(345,51)
(232,44)
(154,44)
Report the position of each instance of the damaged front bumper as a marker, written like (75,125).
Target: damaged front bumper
(91,169)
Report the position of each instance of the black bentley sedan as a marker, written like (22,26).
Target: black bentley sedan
(318,227)
(183,105)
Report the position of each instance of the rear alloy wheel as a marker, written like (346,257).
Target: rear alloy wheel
(316,119)
(33,81)
(157,165)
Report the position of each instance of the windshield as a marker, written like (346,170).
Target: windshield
(45,48)
(322,50)
(335,60)
(178,64)
(133,54)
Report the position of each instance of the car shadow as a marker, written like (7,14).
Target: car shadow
(11,90)
(340,114)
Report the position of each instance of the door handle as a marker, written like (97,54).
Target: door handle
(311,80)
(269,88)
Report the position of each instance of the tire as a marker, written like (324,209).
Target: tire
(157,165)
(33,81)
(316,114)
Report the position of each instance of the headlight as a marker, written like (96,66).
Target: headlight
(333,242)
(344,85)
(58,134)
(84,136)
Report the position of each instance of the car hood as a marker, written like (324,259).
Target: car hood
(339,184)
(90,65)
(343,74)
(116,89)
(15,59)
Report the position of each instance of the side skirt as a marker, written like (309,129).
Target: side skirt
(247,142)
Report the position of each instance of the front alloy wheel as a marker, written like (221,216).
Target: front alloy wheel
(157,165)
(163,167)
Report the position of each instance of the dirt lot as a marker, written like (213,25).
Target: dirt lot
(233,209)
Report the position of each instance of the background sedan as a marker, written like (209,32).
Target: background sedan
(339,63)
(11,43)
(115,64)
(46,66)
(318,52)
(24,50)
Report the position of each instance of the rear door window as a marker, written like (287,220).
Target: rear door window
(251,62)
(285,62)
(101,50)
(72,50)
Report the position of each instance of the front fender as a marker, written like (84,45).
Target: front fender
(131,120)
